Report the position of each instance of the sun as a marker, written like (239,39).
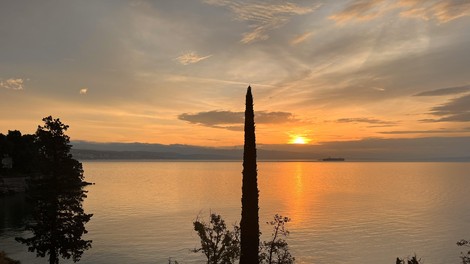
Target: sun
(299,140)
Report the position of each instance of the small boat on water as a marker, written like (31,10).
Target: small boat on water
(333,159)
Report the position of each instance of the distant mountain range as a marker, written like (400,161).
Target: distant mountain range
(409,149)
(134,151)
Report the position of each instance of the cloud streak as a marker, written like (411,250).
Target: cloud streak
(439,131)
(365,120)
(446,91)
(262,16)
(191,58)
(360,10)
(441,11)
(84,91)
(13,84)
(301,38)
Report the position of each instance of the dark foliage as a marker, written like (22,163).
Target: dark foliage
(170,261)
(57,193)
(412,260)
(249,224)
(465,256)
(23,151)
(219,245)
(276,251)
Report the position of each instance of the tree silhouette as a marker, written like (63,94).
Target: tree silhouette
(249,225)
(22,149)
(276,251)
(465,256)
(59,219)
(413,260)
(219,245)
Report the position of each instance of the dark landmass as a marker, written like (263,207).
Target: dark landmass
(433,149)
(333,159)
(214,154)
(85,154)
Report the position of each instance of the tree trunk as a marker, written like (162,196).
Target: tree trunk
(53,258)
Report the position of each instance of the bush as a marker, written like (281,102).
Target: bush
(219,245)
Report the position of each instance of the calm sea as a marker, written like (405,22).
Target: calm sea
(342,212)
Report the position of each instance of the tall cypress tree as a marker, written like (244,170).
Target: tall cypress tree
(249,225)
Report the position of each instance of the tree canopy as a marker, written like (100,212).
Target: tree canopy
(57,192)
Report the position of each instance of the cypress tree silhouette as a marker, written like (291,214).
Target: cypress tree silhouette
(249,225)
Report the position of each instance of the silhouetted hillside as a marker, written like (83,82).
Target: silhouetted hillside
(85,154)
(417,149)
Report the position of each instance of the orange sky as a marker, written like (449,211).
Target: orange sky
(177,71)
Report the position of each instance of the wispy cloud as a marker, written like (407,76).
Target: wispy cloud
(191,57)
(13,84)
(446,91)
(441,11)
(262,16)
(365,120)
(227,119)
(84,91)
(185,78)
(301,38)
(438,131)
(360,10)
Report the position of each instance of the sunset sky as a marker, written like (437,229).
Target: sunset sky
(177,71)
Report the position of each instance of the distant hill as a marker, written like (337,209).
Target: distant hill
(455,149)
(90,150)
(220,154)
(83,150)
(86,154)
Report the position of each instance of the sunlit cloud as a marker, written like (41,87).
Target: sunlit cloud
(360,10)
(441,11)
(262,16)
(438,131)
(84,91)
(191,57)
(365,120)
(301,38)
(449,10)
(13,84)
